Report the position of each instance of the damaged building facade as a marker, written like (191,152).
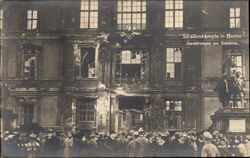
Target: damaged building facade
(104,65)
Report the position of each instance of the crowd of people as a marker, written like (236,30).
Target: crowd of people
(132,143)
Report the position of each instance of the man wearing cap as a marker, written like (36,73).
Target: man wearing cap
(209,149)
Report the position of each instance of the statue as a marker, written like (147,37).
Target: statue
(230,84)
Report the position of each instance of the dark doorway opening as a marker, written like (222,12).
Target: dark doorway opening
(131,112)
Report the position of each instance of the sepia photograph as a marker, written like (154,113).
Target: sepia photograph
(124,78)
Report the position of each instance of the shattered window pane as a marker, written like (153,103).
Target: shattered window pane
(130,64)
(30,66)
(237,60)
(87,63)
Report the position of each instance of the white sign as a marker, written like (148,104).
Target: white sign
(237,125)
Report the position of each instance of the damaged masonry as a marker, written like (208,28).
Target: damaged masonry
(103,66)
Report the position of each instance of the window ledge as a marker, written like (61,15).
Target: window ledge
(86,79)
(173,79)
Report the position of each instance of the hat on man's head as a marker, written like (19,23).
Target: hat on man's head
(6,132)
(192,138)
(33,135)
(92,135)
(140,130)
(135,133)
(207,135)
(248,137)
(215,132)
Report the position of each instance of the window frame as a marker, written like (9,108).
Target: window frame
(32,19)
(234,17)
(181,67)
(79,75)
(173,11)
(132,14)
(36,66)
(30,114)
(242,63)
(86,102)
(89,11)
(118,56)
(167,113)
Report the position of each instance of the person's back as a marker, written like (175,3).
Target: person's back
(209,150)
(131,148)
(122,143)
(91,146)
(247,144)
(241,150)
(141,142)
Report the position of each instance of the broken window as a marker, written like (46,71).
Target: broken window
(173,62)
(131,14)
(32,19)
(131,64)
(87,63)
(30,62)
(28,110)
(234,17)
(86,110)
(237,60)
(174,113)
